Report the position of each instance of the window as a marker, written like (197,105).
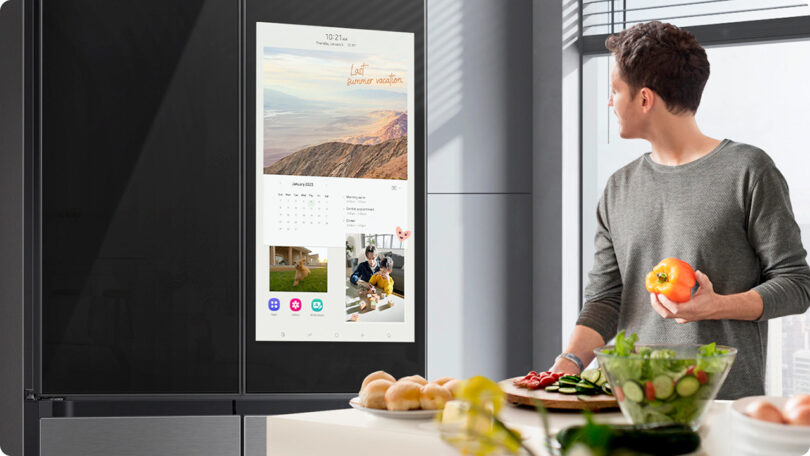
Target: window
(608,16)
(757,94)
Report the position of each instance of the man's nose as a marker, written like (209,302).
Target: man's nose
(610,100)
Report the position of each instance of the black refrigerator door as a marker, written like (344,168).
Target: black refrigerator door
(326,367)
(140,197)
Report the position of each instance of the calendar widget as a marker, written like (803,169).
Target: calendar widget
(301,211)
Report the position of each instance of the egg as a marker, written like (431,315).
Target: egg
(796,401)
(799,415)
(765,411)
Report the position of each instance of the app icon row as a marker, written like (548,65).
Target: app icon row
(295,305)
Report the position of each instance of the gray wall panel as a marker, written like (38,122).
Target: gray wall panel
(479,285)
(176,436)
(547,206)
(479,106)
(255,435)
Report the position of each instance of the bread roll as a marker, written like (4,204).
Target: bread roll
(377,375)
(434,396)
(403,395)
(442,381)
(416,379)
(452,386)
(373,395)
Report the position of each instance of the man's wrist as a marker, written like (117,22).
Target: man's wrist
(739,306)
(573,359)
(721,310)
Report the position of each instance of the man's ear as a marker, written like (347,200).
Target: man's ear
(647,98)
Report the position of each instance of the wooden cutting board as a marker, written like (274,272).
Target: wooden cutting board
(525,396)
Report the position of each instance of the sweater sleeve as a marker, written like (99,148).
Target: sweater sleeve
(775,236)
(356,275)
(603,294)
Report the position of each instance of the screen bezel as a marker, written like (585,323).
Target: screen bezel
(330,367)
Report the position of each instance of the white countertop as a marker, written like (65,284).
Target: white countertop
(352,432)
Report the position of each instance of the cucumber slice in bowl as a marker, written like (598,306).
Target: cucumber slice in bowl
(664,386)
(687,386)
(633,391)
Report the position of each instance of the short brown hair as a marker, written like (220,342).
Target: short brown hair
(665,59)
(370,249)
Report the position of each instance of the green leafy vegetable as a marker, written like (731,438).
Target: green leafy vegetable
(715,363)
(625,345)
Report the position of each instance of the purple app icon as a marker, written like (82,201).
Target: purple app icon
(274,304)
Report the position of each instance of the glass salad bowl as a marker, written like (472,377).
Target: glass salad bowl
(658,384)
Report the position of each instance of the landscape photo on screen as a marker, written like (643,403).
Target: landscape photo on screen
(335,114)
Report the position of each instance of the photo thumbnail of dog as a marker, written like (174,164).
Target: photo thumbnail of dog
(298,268)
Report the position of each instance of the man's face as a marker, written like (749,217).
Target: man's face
(628,109)
(372,260)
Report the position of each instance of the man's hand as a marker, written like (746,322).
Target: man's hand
(700,307)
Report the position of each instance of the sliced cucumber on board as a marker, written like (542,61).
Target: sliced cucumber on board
(592,375)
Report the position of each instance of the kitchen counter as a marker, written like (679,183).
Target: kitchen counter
(351,432)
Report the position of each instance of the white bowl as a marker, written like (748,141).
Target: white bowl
(762,438)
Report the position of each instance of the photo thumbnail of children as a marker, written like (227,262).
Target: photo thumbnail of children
(375,278)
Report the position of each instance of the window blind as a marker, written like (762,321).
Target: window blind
(601,17)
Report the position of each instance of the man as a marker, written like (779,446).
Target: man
(721,206)
(363,272)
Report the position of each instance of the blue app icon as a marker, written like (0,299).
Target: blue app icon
(317,305)
(274,304)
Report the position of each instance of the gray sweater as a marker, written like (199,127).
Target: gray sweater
(728,215)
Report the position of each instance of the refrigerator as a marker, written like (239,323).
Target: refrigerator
(188,189)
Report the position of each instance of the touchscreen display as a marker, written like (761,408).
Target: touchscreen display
(334,184)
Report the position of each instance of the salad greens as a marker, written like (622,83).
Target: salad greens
(657,385)
(624,345)
(714,364)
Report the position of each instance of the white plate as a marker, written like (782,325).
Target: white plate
(401,415)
